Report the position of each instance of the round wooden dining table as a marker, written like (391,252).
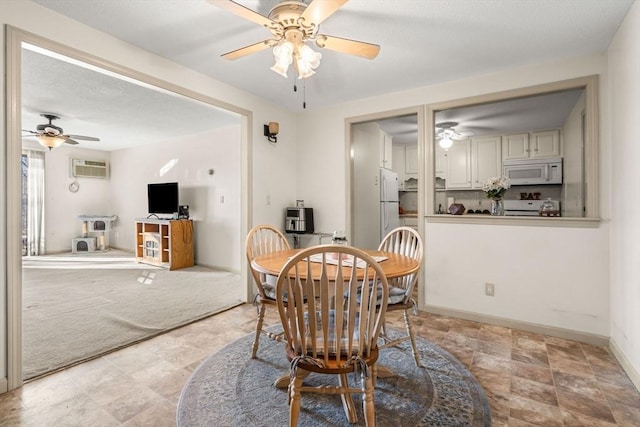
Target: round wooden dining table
(395,265)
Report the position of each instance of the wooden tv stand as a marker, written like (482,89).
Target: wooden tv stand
(165,242)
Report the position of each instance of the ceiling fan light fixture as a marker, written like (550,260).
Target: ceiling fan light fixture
(309,56)
(50,141)
(445,142)
(284,56)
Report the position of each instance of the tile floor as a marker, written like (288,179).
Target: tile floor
(529,379)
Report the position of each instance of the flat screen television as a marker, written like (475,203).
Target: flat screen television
(162,198)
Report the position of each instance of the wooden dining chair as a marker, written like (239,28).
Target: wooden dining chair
(262,240)
(326,333)
(405,241)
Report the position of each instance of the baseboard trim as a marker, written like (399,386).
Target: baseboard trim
(593,339)
(631,372)
(4,385)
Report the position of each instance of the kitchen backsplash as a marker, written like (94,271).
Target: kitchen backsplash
(474,199)
(409,200)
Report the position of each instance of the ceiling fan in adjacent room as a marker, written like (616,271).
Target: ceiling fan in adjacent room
(52,136)
(446,134)
(292,24)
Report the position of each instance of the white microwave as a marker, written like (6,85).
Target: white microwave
(533,171)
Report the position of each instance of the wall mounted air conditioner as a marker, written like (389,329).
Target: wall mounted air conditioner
(89,168)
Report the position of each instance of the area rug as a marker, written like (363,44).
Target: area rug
(79,306)
(231,389)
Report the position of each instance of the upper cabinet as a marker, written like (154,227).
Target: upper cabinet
(459,165)
(386,150)
(486,159)
(531,145)
(398,164)
(405,164)
(545,144)
(411,163)
(441,162)
(471,162)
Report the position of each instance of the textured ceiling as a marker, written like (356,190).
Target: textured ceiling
(119,112)
(422,42)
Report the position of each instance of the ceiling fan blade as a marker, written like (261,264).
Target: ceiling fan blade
(84,138)
(243,12)
(319,10)
(69,140)
(353,47)
(31,132)
(253,48)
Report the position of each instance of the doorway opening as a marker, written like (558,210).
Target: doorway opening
(18,171)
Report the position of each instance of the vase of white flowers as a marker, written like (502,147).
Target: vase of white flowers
(495,188)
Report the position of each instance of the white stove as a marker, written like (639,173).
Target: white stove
(522,207)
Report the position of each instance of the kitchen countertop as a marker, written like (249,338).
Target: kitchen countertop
(409,214)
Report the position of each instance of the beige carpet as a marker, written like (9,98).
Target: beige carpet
(77,306)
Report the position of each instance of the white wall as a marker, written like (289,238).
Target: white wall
(214,200)
(624,67)
(459,259)
(272,167)
(366,187)
(62,207)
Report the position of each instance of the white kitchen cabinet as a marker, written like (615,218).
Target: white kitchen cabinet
(459,165)
(405,164)
(545,144)
(411,161)
(410,221)
(471,162)
(397,154)
(515,146)
(386,150)
(486,159)
(441,162)
(531,145)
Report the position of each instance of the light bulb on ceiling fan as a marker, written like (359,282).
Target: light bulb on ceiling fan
(284,56)
(445,142)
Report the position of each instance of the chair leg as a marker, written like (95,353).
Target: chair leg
(414,348)
(368,406)
(294,397)
(347,401)
(256,341)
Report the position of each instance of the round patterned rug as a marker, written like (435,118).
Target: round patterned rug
(231,389)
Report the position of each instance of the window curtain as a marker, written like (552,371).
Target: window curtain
(35,202)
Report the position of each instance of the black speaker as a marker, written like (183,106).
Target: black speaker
(183,212)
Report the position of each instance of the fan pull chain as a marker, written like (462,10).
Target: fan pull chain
(304,92)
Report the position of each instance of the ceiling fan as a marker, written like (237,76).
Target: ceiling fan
(51,136)
(292,24)
(446,134)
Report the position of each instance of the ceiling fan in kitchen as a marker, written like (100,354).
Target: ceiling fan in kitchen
(52,136)
(446,134)
(292,24)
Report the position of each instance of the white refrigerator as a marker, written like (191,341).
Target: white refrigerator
(389,202)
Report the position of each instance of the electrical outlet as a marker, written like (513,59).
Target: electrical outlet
(490,289)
